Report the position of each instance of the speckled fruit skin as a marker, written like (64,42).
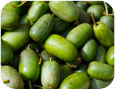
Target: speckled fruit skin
(103,34)
(50,74)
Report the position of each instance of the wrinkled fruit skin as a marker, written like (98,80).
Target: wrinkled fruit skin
(9,74)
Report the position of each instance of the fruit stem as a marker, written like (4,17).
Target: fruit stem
(106,8)
(79,59)
(92,16)
(40,60)
(6,81)
(50,59)
(30,86)
(15,6)
(29,45)
(111,14)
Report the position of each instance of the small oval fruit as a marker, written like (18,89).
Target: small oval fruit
(42,28)
(65,10)
(103,34)
(78,80)
(99,84)
(29,67)
(6,53)
(110,56)
(101,54)
(79,34)
(100,71)
(61,48)
(11,77)
(89,50)
(16,38)
(108,21)
(97,11)
(50,74)
(37,9)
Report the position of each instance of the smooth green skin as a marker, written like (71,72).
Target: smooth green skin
(61,48)
(97,10)
(29,69)
(82,5)
(65,71)
(108,21)
(42,28)
(83,17)
(82,68)
(60,25)
(103,34)
(94,2)
(100,71)
(6,53)
(110,56)
(79,34)
(65,10)
(89,50)
(10,16)
(50,74)
(16,38)
(99,84)
(78,80)
(9,73)
(101,54)
(37,9)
